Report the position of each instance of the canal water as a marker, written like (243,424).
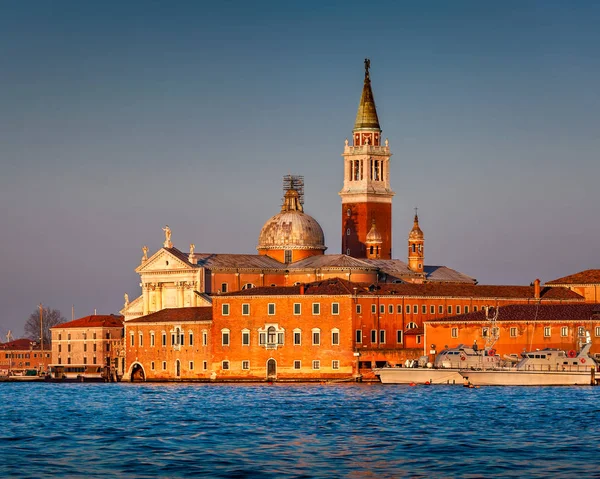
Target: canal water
(297,431)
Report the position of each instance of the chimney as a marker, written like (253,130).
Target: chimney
(536,289)
(302,288)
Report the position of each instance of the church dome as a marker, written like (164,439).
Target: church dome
(373,236)
(291,229)
(416,233)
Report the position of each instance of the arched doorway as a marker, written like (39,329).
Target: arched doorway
(137,373)
(271,369)
(178,368)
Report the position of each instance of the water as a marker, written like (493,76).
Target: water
(296,431)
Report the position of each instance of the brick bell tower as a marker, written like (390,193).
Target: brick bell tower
(366,195)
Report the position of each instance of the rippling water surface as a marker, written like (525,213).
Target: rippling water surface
(285,431)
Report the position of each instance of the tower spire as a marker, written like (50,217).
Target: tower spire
(366,117)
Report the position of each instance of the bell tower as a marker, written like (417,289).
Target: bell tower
(366,194)
(416,247)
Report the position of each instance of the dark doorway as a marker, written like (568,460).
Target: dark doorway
(271,368)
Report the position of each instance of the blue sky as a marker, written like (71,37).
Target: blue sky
(118,119)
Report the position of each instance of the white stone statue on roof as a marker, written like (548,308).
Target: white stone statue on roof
(126,296)
(167,243)
(145,253)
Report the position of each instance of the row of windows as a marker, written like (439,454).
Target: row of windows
(316,309)
(414,309)
(383,336)
(514,332)
(272,336)
(226,365)
(85,348)
(84,336)
(85,361)
(178,338)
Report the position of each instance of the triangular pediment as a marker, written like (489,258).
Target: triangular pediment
(164,260)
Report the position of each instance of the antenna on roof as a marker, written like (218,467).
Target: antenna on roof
(294,182)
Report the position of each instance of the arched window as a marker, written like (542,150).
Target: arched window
(271,335)
(248,286)
(371,250)
(411,326)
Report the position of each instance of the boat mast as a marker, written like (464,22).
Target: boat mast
(493,329)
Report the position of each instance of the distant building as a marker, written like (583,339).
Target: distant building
(586,283)
(22,354)
(91,340)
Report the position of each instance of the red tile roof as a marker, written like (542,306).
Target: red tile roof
(589,276)
(533,312)
(23,344)
(176,315)
(333,287)
(94,321)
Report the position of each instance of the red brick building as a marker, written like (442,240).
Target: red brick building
(586,283)
(22,354)
(520,327)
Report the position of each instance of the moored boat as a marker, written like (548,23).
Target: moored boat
(445,370)
(544,367)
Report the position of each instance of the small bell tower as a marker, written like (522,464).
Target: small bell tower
(416,247)
(366,194)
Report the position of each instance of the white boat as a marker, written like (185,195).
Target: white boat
(544,367)
(445,370)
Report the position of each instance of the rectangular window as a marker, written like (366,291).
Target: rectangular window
(280,338)
(416,309)
(205,365)
(382,336)
(399,336)
(225,365)
(262,339)
(164,339)
(466,309)
(449,309)
(440,309)
(94,347)
(485,332)
(316,338)
(297,309)
(418,339)
(59,348)
(246,309)
(335,308)
(474,309)
(152,365)
(316,308)
(225,309)
(84,360)
(204,338)
(69,337)
(432,309)
(245,365)
(358,309)
(69,348)
(141,339)
(223,287)
(152,340)
(94,360)
(245,338)
(335,364)
(191,365)
(597,331)
(107,347)
(225,338)
(359,336)
(373,308)
(335,338)
(297,364)
(316,364)
(297,338)
(454,332)
(458,310)
(547,331)
(94,335)
(164,365)
(191,338)
(399,309)
(381,308)
(271,309)
(564,331)
(391,309)
(287,256)
(408,309)
(513,332)
(424,309)
(373,335)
